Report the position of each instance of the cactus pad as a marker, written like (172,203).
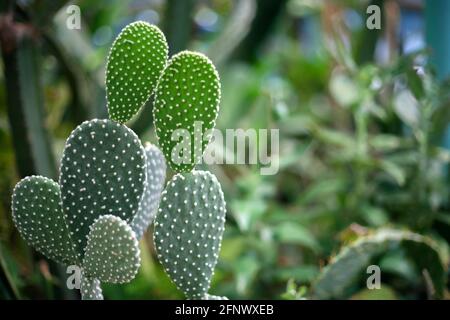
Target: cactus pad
(156,176)
(188,230)
(37,213)
(90,288)
(137,58)
(187,92)
(102,172)
(112,252)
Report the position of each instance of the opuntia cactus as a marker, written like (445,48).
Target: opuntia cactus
(110,186)
(84,220)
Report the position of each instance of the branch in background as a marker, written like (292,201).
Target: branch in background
(267,13)
(178,24)
(364,48)
(236,29)
(43,10)
(81,97)
(24,99)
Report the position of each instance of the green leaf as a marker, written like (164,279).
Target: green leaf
(137,58)
(187,94)
(37,213)
(294,233)
(102,172)
(112,252)
(351,263)
(188,230)
(156,176)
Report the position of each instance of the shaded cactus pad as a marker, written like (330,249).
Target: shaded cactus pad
(102,172)
(112,252)
(187,93)
(156,176)
(188,230)
(37,213)
(137,58)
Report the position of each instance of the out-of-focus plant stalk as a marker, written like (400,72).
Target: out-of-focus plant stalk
(24,99)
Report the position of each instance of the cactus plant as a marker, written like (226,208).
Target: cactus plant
(84,220)
(110,186)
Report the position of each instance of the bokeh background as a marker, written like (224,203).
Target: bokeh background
(364,145)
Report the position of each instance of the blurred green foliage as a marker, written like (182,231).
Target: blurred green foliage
(359,144)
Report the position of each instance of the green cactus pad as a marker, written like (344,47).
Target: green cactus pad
(351,263)
(112,252)
(156,176)
(102,172)
(37,213)
(188,230)
(90,288)
(188,92)
(137,58)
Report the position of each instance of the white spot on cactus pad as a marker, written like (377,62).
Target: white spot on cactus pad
(156,176)
(112,252)
(37,213)
(188,230)
(102,172)
(137,58)
(188,91)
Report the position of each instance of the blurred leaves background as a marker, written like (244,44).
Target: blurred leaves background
(362,118)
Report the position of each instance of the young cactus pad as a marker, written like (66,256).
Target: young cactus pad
(187,93)
(102,172)
(156,176)
(37,213)
(90,288)
(112,252)
(137,58)
(188,230)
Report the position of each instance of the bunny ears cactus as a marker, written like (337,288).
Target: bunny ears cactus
(110,186)
(83,220)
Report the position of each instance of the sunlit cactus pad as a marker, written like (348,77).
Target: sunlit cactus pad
(188,91)
(102,172)
(135,62)
(112,252)
(90,289)
(188,230)
(156,176)
(37,213)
